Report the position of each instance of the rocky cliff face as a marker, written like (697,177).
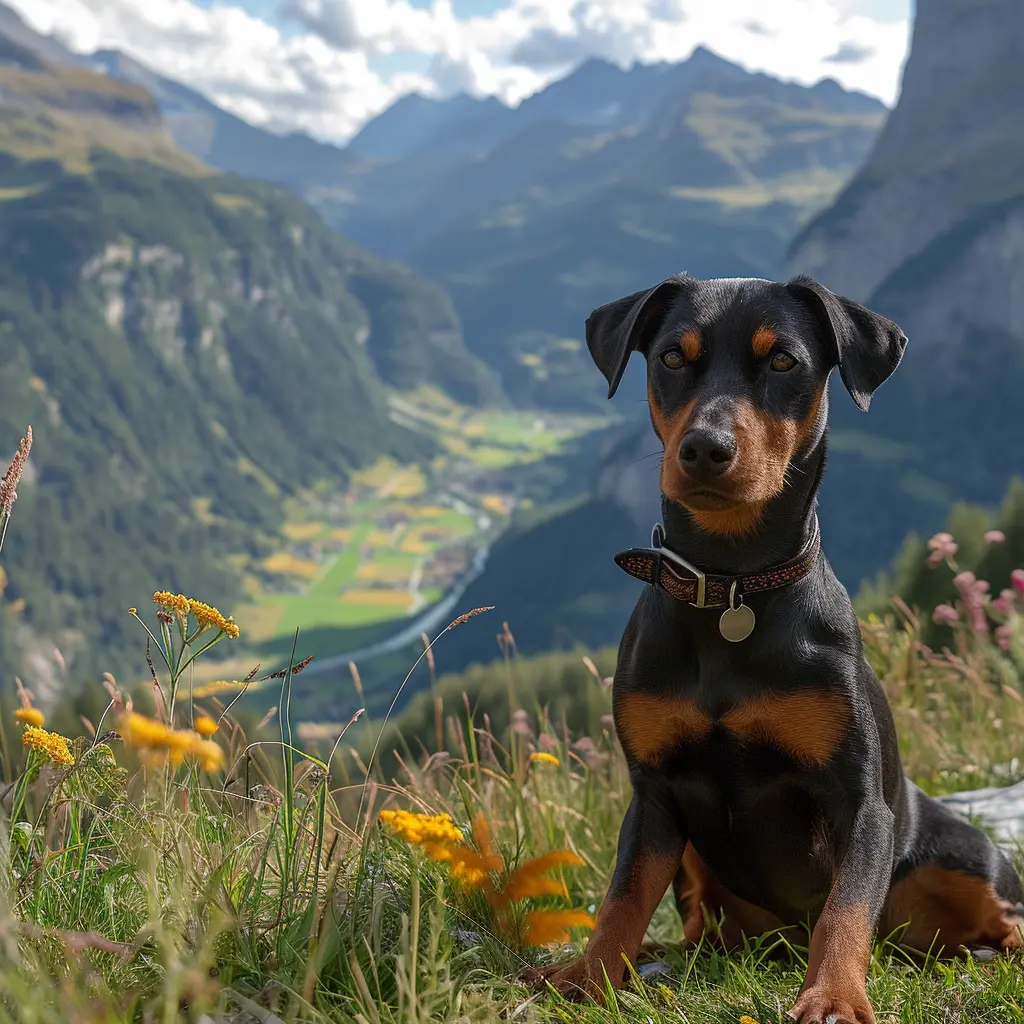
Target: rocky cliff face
(951,148)
(931,233)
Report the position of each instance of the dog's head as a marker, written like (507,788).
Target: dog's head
(737,371)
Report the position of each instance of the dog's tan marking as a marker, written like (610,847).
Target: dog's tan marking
(944,910)
(649,725)
(837,966)
(711,911)
(691,345)
(765,447)
(763,341)
(807,724)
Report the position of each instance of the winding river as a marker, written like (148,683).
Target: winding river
(431,621)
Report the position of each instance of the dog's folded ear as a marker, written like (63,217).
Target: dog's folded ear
(619,328)
(867,346)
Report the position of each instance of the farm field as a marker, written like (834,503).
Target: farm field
(390,545)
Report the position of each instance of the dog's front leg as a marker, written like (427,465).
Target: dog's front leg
(834,989)
(651,844)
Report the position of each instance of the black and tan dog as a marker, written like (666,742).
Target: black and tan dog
(767,785)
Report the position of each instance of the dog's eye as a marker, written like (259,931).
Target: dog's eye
(782,362)
(674,359)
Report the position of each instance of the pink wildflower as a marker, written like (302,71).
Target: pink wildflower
(1003,635)
(995,537)
(521,723)
(972,595)
(1017,579)
(942,548)
(945,615)
(1004,602)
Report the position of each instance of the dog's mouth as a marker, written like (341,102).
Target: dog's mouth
(704,499)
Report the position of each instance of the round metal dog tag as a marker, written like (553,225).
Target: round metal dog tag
(737,621)
(736,624)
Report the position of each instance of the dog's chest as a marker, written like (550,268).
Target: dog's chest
(806,725)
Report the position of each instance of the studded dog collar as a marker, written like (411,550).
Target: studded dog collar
(661,567)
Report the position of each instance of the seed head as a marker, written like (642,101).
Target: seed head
(9,484)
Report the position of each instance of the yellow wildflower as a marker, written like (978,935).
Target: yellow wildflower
(157,743)
(545,927)
(209,755)
(51,744)
(179,602)
(542,758)
(531,885)
(30,716)
(139,731)
(207,616)
(442,841)
(178,743)
(528,879)
(747,1020)
(422,829)
(468,867)
(205,726)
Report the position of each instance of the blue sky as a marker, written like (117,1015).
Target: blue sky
(327,66)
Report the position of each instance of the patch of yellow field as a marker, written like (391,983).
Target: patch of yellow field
(389,479)
(377,474)
(381,538)
(313,731)
(456,445)
(288,565)
(426,511)
(302,531)
(398,599)
(201,510)
(382,572)
(259,621)
(409,483)
(343,535)
(238,204)
(498,504)
(414,545)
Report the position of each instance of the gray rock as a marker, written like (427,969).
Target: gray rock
(1001,808)
(950,147)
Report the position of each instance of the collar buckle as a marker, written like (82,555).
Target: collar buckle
(658,541)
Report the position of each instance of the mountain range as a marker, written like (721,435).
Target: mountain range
(531,216)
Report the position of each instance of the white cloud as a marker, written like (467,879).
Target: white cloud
(318,72)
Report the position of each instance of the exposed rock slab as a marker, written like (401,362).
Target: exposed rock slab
(999,807)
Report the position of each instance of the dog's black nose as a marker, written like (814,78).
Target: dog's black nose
(707,453)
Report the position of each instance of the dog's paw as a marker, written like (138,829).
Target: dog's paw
(824,1006)
(578,980)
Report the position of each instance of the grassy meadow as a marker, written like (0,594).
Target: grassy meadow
(167,856)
